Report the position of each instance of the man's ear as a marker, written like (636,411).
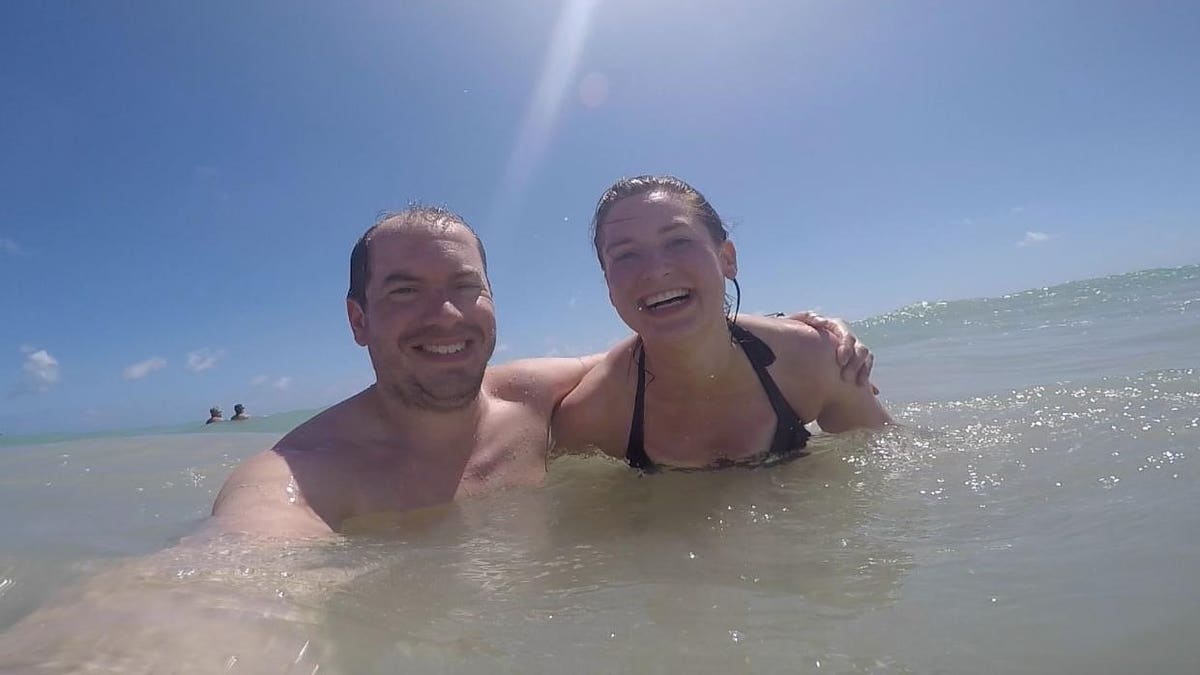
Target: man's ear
(727,254)
(358,321)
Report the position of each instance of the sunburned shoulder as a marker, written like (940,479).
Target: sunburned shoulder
(266,466)
(791,339)
(303,451)
(807,370)
(262,482)
(323,432)
(321,447)
(291,489)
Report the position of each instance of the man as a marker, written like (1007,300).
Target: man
(239,413)
(438,423)
(215,415)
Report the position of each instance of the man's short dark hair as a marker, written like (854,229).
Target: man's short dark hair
(431,216)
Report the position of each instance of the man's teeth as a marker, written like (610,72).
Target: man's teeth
(445,349)
(665,296)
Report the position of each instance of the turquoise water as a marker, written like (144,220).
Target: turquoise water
(1035,513)
(272,424)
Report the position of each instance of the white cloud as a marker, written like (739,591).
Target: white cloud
(203,359)
(1032,238)
(501,348)
(281,383)
(9,247)
(143,368)
(41,370)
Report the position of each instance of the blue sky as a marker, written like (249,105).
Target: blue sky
(181,183)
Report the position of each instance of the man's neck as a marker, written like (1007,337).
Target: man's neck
(425,430)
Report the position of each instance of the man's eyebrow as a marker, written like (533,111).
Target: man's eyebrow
(468,273)
(399,278)
(408,278)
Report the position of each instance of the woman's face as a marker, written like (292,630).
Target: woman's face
(666,275)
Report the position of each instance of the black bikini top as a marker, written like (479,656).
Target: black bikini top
(790,434)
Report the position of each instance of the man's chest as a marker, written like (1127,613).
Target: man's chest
(510,451)
(507,451)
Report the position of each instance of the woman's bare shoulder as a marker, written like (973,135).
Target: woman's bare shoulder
(790,339)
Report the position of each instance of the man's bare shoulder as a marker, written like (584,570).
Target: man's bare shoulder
(540,381)
(322,430)
(264,467)
(299,485)
(263,497)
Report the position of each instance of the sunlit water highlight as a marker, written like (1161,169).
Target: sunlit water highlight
(1036,513)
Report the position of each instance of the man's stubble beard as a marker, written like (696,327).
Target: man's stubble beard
(450,392)
(456,391)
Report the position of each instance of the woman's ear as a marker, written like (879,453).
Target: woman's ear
(727,254)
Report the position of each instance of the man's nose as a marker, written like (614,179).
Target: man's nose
(442,311)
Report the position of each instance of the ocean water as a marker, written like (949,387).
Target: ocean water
(1036,512)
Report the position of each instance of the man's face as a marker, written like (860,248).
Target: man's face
(429,323)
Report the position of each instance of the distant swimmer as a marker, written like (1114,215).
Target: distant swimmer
(239,413)
(214,415)
(438,423)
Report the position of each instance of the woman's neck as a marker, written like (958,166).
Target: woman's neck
(701,360)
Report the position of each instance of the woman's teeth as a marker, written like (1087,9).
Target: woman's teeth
(660,299)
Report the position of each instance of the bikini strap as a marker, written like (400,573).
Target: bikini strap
(790,433)
(635,450)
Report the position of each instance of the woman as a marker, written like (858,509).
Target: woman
(697,386)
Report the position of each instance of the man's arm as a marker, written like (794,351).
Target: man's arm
(262,497)
(544,380)
(146,615)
